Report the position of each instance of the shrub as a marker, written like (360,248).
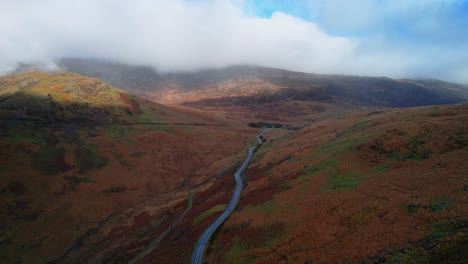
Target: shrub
(115,189)
(50,160)
(87,158)
(439,204)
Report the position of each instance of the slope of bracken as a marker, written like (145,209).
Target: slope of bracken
(229,88)
(78,157)
(346,190)
(382,185)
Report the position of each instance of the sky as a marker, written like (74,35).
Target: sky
(394,38)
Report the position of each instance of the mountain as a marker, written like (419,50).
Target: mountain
(249,93)
(76,152)
(252,84)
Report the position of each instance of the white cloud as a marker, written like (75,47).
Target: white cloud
(349,16)
(189,35)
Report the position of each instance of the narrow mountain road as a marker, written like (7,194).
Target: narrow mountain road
(197,255)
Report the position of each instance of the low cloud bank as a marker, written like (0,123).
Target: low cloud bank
(187,35)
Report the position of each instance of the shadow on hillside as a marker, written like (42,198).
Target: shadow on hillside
(21,107)
(378,92)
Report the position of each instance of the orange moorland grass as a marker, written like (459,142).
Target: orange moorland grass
(67,183)
(344,190)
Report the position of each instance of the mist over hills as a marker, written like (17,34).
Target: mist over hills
(233,131)
(78,152)
(254,84)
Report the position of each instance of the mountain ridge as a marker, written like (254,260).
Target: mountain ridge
(196,88)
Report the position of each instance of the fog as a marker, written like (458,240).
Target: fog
(363,38)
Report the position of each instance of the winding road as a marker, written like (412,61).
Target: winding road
(197,255)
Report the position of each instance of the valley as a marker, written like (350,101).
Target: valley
(197,256)
(233,132)
(377,185)
(93,174)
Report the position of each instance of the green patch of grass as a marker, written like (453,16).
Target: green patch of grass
(115,189)
(137,154)
(50,160)
(229,167)
(317,154)
(345,146)
(244,260)
(356,127)
(251,141)
(409,256)
(86,178)
(119,133)
(298,179)
(209,212)
(268,145)
(265,208)
(358,218)
(33,137)
(375,113)
(440,229)
(148,116)
(121,159)
(268,235)
(25,139)
(269,207)
(288,157)
(328,164)
(410,208)
(340,146)
(255,237)
(439,204)
(461,189)
(2,168)
(418,151)
(379,169)
(236,248)
(415,149)
(333,144)
(87,157)
(459,139)
(402,133)
(342,182)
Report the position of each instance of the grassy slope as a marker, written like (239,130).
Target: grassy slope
(363,184)
(70,158)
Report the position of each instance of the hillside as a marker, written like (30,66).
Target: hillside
(91,174)
(252,93)
(69,97)
(253,84)
(379,186)
(75,153)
